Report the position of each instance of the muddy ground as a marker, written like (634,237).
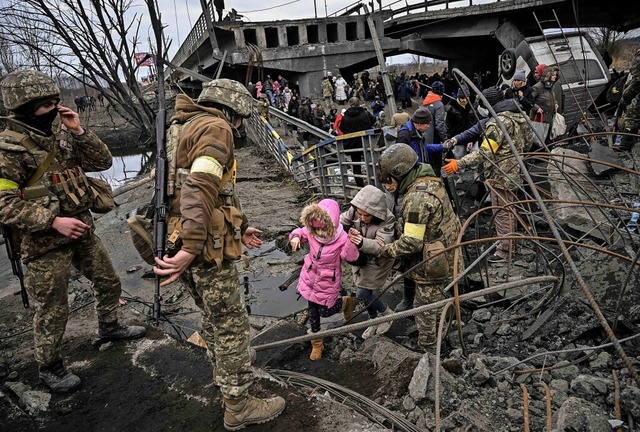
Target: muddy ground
(163,383)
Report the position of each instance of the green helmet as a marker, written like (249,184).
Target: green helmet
(229,93)
(397,160)
(23,86)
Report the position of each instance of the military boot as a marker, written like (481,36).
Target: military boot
(115,331)
(626,143)
(239,413)
(407,299)
(58,378)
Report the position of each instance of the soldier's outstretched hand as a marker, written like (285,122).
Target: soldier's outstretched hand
(250,238)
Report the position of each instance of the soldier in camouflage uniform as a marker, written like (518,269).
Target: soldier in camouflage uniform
(204,208)
(425,223)
(503,172)
(45,198)
(631,99)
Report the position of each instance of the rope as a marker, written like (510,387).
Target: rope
(407,313)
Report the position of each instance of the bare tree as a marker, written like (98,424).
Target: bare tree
(607,40)
(92,40)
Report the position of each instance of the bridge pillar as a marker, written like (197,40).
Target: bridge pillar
(302,31)
(322,32)
(282,36)
(239,37)
(342,32)
(261,37)
(360,29)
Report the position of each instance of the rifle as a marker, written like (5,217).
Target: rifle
(160,214)
(13,253)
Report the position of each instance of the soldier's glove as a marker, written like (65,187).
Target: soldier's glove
(448,144)
(451,167)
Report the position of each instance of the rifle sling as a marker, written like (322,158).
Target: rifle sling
(28,143)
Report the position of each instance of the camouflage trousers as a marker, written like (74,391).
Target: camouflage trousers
(632,115)
(427,322)
(225,324)
(47,281)
(504,220)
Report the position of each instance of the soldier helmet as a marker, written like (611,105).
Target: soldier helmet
(397,160)
(229,93)
(23,86)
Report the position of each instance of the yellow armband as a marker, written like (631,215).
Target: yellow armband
(207,164)
(6,184)
(414,230)
(490,145)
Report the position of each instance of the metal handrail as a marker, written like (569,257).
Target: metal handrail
(325,168)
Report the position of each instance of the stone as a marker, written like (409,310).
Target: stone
(567,372)
(577,414)
(602,361)
(453,365)
(589,386)
(504,330)
(420,379)
(408,403)
(630,401)
(481,315)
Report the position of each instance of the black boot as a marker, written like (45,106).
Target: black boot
(58,378)
(626,143)
(115,331)
(408,296)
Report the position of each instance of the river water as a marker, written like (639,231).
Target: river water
(127,165)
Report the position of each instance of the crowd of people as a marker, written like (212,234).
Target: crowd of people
(46,199)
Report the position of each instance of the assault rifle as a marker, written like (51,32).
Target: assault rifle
(13,253)
(160,214)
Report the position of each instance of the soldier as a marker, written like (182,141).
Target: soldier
(503,172)
(425,222)
(44,196)
(631,98)
(203,209)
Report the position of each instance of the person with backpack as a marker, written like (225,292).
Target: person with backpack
(46,199)
(206,231)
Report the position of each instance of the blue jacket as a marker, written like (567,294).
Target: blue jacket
(427,153)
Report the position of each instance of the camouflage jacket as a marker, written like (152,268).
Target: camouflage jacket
(205,137)
(32,219)
(495,149)
(426,216)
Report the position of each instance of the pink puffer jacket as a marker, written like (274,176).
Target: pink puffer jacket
(321,273)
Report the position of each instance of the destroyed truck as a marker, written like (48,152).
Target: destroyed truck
(583,73)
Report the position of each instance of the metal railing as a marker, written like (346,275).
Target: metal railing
(327,165)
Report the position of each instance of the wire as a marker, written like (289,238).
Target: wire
(269,8)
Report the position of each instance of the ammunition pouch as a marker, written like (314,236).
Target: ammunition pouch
(103,201)
(225,239)
(435,267)
(72,189)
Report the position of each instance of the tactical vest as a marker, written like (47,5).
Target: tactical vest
(436,265)
(62,187)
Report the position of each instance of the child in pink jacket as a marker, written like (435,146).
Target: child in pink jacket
(321,275)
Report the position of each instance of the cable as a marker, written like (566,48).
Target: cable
(269,8)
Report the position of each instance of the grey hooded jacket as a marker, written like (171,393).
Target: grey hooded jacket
(375,235)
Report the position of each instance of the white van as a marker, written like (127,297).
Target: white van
(583,73)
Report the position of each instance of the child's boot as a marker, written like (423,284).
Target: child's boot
(385,326)
(347,307)
(316,350)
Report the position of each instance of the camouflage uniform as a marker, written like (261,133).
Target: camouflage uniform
(214,287)
(631,96)
(503,171)
(426,216)
(31,211)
